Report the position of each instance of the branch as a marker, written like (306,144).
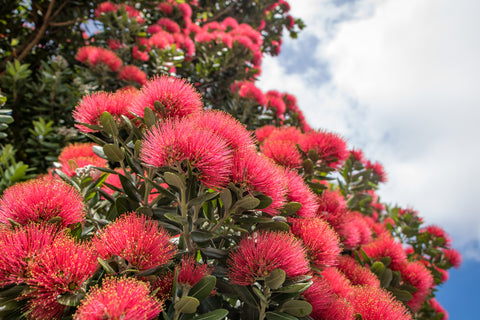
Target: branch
(40,32)
(222,12)
(65,23)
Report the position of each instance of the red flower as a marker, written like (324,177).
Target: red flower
(225,126)
(138,240)
(453,257)
(338,282)
(284,153)
(161,40)
(132,73)
(119,298)
(333,207)
(40,200)
(191,272)
(178,97)
(354,230)
(169,25)
(20,247)
(320,240)
(92,56)
(105,7)
(417,275)
(357,274)
(257,173)
(438,308)
(326,304)
(299,192)
(175,141)
(76,150)
(386,246)
(330,147)
(248,90)
(92,106)
(258,255)
(374,303)
(438,232)
(377,169)
(62,269)
(264,132)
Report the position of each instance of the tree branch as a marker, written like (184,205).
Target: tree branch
(40,32)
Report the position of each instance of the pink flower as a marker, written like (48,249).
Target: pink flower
(374,303)
(386,246)
(169,25)
(257,173)
(62,269)
(132,73)
(354,230)
(248,90)
(438,308)
(298,191)
(333,207)
(191,272)
(20,247)
(330,147)
(119,298)
(92,56)
(139,55)
(320,240)
(339,283)
(264,132)
(453,257)
(105,7)
(283,152)
(326,304)
(92,106)
(357,274)
(161,40)
(40,200)
(229,23)
(138,240)
(418,276)
(377,169)
(225,126)
(258,255)
(175,141)
(178,97)
(438,232)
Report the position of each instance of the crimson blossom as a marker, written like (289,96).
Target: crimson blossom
(259,254)
(191,272)
(119,298)
(63,269)
(137,239)
(177,96)
(374,303)
(40,200)
(175,141)
(20,247)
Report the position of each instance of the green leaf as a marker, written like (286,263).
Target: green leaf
(378,268)
(297,308)
(174,180)
(105,266)
(201,236)
(201,199)
(70,299)
(265,201)
(386,278)
(213,315)
(203,288)
(260,295)
(402,295)
(291,208)
(226,197)
(276,315)
(6,119)
(113,152)
(276,279)
(129,188)
(109,124)
(274,226)
(187,304)
(176,218)
(247,203)
(149,117)
(99,152)
(295,288)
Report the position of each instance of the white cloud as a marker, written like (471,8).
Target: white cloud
(404,87)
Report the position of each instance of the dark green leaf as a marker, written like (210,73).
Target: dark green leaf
(291,208)
(213,315)
(226,197)
(129,188)
(203,288)
(295,288)
(70,299)
(297,308)
(386,278)
(201,236)
(109,124)
(201,199)
(187,304)
(113,152)
(275,279)
(276,315)
(174,180)
(402,295)
(265,201)
(247,203)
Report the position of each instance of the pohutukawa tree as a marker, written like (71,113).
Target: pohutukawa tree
(192,194)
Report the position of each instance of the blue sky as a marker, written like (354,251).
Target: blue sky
(399,79)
